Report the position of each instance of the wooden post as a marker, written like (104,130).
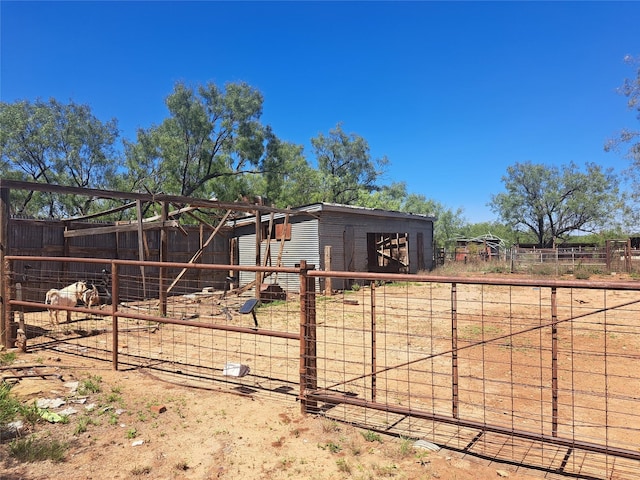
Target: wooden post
(308,355)
(328,288)
(164,235)
(21,337)
(115,299)
(258,256)
(141,248)
(5,311)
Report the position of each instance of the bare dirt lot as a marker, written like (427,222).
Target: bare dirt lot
(121,431)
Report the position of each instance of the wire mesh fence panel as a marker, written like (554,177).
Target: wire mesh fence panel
(536,373)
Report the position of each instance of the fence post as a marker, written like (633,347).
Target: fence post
(21,336)
(454,349)
(164,256)
(5,311)
(115,299)
(308,360)
(6,322)
(374,365)
(554,362)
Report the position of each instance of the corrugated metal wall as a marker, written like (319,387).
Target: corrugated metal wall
(304,247)
(332,233)
(310,236)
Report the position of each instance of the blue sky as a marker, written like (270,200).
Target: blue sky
(451,92)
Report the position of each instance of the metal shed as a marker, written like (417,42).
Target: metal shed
(333,237)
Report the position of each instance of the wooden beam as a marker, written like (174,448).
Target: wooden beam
(129,227)
(201,221)
(146,197)
(172,213)
(104,212)
(198,254)
(141,247)
(5,310)
(164,256)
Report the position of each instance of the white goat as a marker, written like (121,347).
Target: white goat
(65,297)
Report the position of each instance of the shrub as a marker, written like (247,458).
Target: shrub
(33,449)
(9,406)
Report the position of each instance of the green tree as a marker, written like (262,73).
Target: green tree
(288,179)
(212,139)
(631,138)
(630,89)
(56,143)
(345,166)
(448,222)
(551,202)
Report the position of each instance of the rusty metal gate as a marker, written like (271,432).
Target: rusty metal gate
(537,373)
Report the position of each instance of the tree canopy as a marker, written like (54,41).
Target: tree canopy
(63,144)
(630,89)
(448,222)
(345,166)
(212,138)
(552,202)
(630,138)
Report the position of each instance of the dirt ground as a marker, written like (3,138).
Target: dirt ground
(138,427)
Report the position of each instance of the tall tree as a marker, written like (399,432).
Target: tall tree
(288,179)
(631,138)
(448,222)
(56,143)
(212,138)
(552,202)
(630,89)
(345,165)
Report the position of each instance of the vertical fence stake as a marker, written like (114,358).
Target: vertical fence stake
(374,365)
(454,349)
(554,362)
(21,337)
(114,313)
(164,256)
(7,316)
(308,365)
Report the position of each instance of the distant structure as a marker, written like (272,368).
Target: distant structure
(483,248)
(333,237)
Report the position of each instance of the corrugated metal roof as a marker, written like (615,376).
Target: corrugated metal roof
(317,208)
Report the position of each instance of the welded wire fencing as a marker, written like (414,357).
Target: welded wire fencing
(532,372)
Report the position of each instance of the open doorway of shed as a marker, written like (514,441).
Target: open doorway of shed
(388,252)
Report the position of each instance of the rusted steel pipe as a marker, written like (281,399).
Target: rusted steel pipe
(513,282)
(196,266)
(172,321)
(565,442)
(554,362)
(454,350)
(374,363)
(115,300)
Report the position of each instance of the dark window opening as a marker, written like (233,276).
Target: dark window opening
(278,232)
(388,252)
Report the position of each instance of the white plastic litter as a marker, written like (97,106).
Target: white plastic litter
(426,445)
(235,370)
